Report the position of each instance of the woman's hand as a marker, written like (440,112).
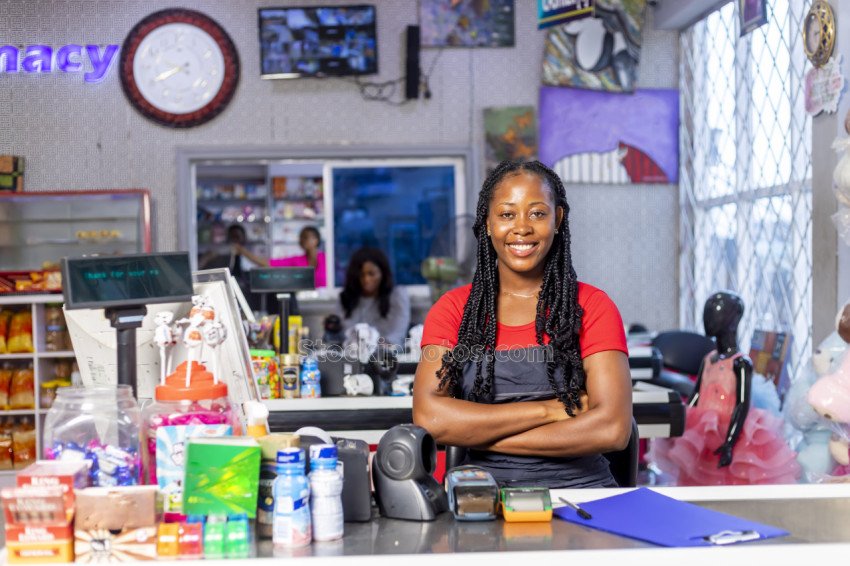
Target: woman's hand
(557,411)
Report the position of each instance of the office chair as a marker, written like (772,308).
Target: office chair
(623,463)
(681,355)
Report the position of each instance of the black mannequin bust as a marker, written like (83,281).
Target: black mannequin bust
(721,315)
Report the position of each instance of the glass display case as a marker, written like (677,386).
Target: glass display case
(37,229)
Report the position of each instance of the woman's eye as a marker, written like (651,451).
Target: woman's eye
(507,215)
(538,214)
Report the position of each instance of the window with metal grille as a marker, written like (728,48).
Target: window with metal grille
(745,183)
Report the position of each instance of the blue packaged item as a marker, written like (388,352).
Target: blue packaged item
(292,526)
(310,379)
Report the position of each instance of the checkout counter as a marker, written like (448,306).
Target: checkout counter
(659,412)
(817,517)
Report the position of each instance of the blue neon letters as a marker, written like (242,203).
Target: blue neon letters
(69,59)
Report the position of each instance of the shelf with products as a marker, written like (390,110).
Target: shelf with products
(28,380)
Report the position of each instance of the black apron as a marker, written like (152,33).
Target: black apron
(520,375)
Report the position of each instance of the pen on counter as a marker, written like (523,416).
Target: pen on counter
(581,512)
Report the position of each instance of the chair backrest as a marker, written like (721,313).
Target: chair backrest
(623,463)
(682,350)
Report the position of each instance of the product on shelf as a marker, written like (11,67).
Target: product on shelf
(74,430)
(55,329)
(5,317)
(19,339)
(23,444)
(265,373)
(5,383)
(7,462)
(21,393)
(38,525)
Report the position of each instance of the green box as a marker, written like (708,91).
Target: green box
(222,476)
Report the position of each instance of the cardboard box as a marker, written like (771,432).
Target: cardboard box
(27,544)
(51,473)
(36,506)
(100,545)
(118,508)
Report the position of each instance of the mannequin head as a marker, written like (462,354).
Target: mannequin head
(722,313)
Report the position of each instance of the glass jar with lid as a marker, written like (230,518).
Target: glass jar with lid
(99,424)
(183,408)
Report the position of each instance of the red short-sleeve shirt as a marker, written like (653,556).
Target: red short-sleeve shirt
(601,326)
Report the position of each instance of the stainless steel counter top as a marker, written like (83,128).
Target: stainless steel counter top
(822,520)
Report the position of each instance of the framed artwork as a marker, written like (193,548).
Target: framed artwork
(599,53)
(466,23)
(751,14)
(11,173)
(769,354)
(509,133)
(624,139)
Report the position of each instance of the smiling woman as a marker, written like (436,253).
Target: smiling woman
(543,417)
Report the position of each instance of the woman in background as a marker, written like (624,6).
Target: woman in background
(370,296)
(309,239)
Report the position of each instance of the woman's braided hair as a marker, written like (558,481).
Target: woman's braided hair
(558,312)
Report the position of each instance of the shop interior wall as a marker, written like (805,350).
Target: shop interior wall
(81,136)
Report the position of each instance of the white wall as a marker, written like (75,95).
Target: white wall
(79,136)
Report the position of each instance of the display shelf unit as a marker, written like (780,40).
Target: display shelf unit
(43,361)
(279,199)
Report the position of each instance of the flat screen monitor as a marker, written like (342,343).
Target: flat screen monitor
(282,279)
(318,41)
(126,281)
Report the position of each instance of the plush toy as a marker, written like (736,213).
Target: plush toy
(807,432)
(829,396)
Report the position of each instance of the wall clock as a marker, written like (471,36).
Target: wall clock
(179,68)
(819,33)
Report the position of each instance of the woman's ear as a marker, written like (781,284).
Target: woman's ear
(559,214)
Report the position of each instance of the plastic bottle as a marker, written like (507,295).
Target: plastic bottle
(291,527)
(311,386)
(326,490)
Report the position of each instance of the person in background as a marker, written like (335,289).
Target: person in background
(240,261)
(309,239)
(370,296)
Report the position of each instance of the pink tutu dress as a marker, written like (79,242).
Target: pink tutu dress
(759,457)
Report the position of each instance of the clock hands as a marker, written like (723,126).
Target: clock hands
(170,72)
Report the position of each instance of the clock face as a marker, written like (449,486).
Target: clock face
(819,33)
(179,68)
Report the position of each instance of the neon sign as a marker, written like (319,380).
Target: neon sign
(40,59)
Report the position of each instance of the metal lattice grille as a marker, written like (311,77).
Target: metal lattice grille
(746,195)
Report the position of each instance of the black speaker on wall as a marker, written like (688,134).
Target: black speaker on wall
(411,63)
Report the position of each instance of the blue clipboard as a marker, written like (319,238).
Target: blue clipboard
(646,515)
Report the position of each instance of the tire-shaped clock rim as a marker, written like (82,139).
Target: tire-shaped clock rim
(210,26)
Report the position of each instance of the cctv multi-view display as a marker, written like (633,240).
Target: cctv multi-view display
(318,41)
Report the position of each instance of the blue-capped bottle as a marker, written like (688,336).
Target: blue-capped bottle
(291,524)
(311,386)
(326,493)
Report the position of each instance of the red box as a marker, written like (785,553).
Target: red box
(36,506)
(27,544)
(67,475)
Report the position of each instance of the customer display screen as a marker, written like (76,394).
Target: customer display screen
(318,41)
(282,279)
(130,280)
